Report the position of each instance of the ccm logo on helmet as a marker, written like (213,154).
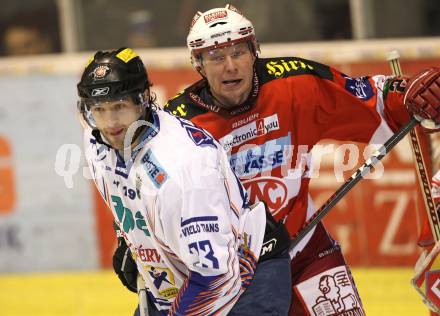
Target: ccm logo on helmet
(97,92)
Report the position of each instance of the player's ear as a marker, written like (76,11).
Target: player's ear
(146,95)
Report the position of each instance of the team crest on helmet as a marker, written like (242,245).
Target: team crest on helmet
(100,72)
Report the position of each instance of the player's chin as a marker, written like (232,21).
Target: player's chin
(235,99)
(118,139)
(116,142)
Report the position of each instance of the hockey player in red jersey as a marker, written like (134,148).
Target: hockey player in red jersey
(269,113)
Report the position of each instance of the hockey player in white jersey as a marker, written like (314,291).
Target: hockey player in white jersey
(178,205)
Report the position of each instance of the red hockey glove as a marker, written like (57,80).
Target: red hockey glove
(422,96)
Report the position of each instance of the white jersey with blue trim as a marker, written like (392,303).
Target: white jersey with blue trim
(184,215)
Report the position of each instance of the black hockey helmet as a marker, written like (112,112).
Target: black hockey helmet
(112,75)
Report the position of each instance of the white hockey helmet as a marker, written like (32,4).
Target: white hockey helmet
(217,28)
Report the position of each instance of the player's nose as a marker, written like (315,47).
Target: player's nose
(230,63)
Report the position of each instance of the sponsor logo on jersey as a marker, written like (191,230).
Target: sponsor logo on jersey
(359,87)
(293,66)
(245,120)
(271,190)
(201,224)
(250,131)
(279,67)
(261,158)
(199,101)
(125,219)
(148,255)
(163,280)
(330,293)
(154,170)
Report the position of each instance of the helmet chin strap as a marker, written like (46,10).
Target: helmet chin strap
(97,134)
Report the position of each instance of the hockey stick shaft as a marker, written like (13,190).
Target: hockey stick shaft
(142,292)
(352,181)
(422,174)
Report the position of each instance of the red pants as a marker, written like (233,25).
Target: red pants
(322,282)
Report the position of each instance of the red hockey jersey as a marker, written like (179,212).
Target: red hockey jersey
(294,104)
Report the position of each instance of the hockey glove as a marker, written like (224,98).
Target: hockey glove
(124,266)
(422,97)
(276,238)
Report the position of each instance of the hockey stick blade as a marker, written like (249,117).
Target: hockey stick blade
(351,182)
